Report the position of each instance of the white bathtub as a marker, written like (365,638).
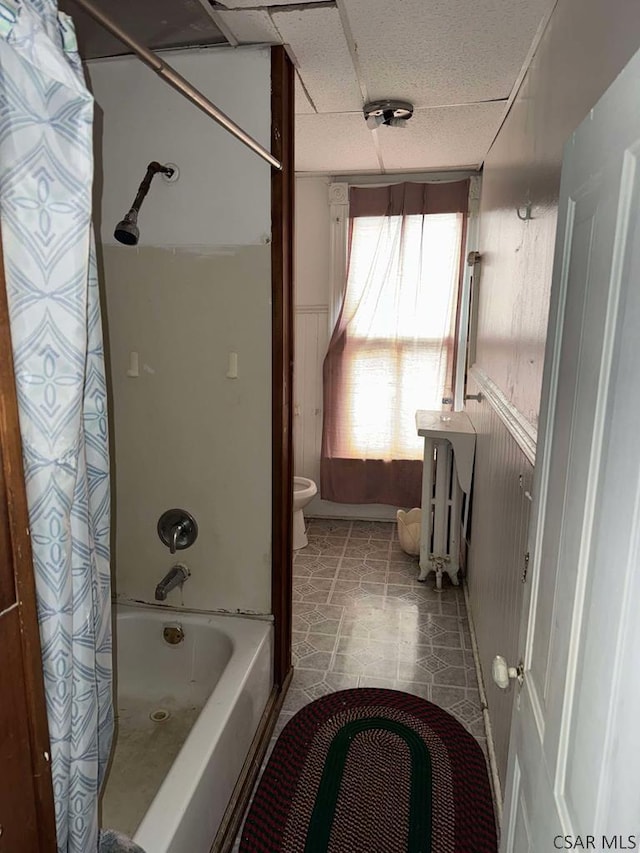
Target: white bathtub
(220,676)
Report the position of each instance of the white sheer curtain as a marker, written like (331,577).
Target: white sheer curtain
(401,304)
(392,351)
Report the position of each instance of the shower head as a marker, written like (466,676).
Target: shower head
(127,231)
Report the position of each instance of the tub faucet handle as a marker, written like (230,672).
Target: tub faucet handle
(177,529)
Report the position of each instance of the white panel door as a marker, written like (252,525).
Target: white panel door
(574,762)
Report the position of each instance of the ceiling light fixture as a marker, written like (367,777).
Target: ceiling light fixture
(390,113)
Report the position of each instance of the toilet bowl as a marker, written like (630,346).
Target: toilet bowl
(303,491)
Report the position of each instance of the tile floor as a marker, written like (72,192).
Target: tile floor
(361,619)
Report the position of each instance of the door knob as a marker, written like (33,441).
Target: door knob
(502,672)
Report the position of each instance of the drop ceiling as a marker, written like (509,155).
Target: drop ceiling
(457,61)
(156,23)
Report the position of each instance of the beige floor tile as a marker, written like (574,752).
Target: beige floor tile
(415,688)
(328,527)
(370,623)
(367,650)
(452,675)
(367,550)
(382,530)
(357,596)
(397,555)
(319,618)
(370,571)
(312,590)
(355,666)
(324,546)
(401,574)
(311,566)
(319,642)
(361,619)
(374,681)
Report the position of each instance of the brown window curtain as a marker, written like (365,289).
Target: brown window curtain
(392,350)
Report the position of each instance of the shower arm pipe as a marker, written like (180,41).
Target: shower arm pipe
(179,83)
(152,169)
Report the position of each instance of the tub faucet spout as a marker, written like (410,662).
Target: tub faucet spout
(176,576)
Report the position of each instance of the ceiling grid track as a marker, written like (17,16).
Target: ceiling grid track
(362,85)
(306,91)
(523,71)
(267,7)
(291,53)
(216,17)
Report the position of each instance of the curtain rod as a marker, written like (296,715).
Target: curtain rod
(179,83)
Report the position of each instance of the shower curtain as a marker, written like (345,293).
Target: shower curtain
(46,174)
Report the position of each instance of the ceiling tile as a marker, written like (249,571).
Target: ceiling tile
(334,143)
(303,104)
(441,137)
(324,62)
(253,26)
(155,23)
(437,52)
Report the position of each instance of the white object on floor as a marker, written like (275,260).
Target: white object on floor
(303,490)
(409,530)
(449,449)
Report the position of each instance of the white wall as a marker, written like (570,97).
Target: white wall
(223,195)
(585,45)
(561,86)
(311,298)
(312,242)
(197,288)
(312,258)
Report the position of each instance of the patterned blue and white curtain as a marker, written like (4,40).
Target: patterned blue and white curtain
(46,174)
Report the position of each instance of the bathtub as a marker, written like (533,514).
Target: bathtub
(187,714)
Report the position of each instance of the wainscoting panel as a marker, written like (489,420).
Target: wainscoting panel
(311,340)
(501,504)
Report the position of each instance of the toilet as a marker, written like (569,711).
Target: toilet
(303,491)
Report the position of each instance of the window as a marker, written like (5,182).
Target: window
(401,296)
(392,351)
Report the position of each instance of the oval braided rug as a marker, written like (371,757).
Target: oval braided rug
(372,771)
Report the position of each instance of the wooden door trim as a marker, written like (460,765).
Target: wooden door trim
(13,495)
(282,212)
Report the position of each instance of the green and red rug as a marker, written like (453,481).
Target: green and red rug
(372,771)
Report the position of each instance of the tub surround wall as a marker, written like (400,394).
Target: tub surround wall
(184,434)
(523,167)
(223,195)
(197,288)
